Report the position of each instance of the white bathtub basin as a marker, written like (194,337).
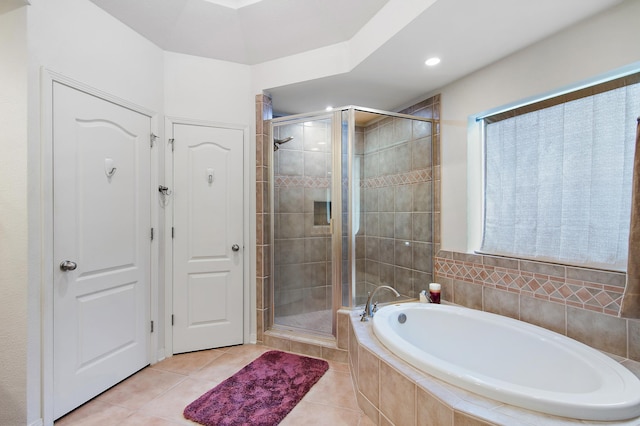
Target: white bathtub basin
(510,361)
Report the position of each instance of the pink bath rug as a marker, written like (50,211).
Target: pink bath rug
(262,393)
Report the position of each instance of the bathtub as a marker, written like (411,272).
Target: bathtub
(510,361)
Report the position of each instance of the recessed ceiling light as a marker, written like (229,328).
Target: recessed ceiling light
(329,108)
(432,61)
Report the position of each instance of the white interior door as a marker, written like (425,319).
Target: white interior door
(208,237)
(102,199)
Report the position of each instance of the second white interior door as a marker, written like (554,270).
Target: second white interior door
(208,250)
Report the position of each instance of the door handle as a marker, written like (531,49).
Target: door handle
(235,247)
(67,265)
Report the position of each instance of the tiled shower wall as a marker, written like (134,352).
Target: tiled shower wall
(394,245)
(302,251)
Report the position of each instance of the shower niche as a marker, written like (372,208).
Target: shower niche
(352,209)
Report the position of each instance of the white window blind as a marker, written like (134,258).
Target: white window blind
(558,181)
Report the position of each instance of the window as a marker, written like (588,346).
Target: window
(558,177)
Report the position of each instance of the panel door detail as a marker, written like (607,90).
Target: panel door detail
(207,245)
(101,223)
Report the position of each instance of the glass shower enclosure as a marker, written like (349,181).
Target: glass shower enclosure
(352,209)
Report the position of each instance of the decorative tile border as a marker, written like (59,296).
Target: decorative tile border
(413,176)
(592,296)
(406,178)
(283,181)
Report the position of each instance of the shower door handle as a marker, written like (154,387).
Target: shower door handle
(235,247)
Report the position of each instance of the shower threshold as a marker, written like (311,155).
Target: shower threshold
(318,322)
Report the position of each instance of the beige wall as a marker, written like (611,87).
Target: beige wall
(13,214)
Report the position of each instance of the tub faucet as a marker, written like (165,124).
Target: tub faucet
(369,310)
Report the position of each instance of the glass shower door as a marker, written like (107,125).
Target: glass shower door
(302,182)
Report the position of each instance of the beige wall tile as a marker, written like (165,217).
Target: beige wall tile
(543,268)
(446,292)
(332,354)
(306,349)
(353,351)
(544,314)
(367,407)
(501,262)
(431,412)
(501,302)
(461,419)
(368,375)
(397,396)
(634,339)
(260,325)
(603,332)
(467,294)
(260,293)
(277,342)
(385,421)
(617,279)
(342,329)
(467,257)
(633,366)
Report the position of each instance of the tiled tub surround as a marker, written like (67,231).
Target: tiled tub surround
(390,391)
(580,303)
(395,240)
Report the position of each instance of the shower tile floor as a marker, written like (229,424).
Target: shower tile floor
(157,395)
(319,321)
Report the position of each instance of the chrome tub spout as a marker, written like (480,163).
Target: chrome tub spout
(369,308)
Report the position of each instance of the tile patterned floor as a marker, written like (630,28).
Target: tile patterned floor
(156,395)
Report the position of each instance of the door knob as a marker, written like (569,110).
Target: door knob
(235,247)
(67,265)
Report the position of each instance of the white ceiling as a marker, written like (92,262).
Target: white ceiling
(255,33)
(466,34)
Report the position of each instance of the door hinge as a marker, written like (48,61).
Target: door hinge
(151,234)
(171,319)
(172,232)
(171,141)
(152,326)
(152,138)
